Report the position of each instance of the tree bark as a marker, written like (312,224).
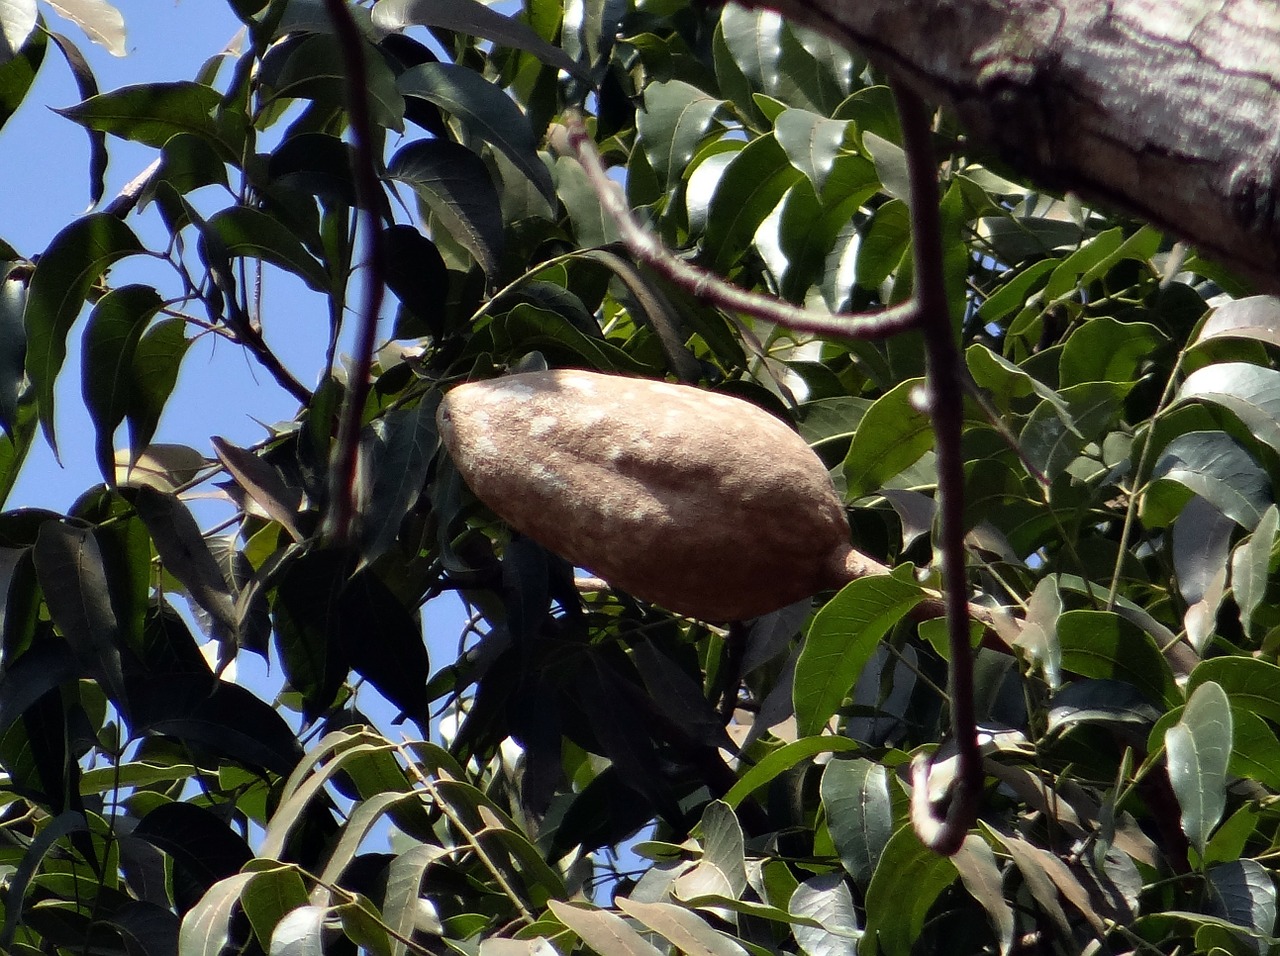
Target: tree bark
(1169,109)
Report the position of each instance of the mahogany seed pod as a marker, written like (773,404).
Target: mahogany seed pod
(704,504)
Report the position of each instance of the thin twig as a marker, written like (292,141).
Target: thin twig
(706,286)
(343,490)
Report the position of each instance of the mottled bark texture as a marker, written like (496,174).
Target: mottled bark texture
(1169,109)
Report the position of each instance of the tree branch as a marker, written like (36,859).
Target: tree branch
(342,503)
(572,139)
(944,370)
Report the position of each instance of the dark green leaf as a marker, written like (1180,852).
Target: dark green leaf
(110,344)
(307,610)
(752,184)
(153,113)
(74,261)
(892,436)
(185,554)
(407,443)
(69,567)
(19,67)
(1214,466)
(263,483)
(473,18)
(675,118)
(455,184)
(156,362)
(13,347)
(484,111)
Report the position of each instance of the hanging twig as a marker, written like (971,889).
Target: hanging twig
(945,378)
(342,498)
(926,311)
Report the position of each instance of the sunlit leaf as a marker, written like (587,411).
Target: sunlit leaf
(1197,749)
(855,796)
(840,641)
(906,882)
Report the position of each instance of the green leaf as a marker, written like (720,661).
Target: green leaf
(74,581)
(153,113)
(859,812)
(19,67)
(813,143)
(111,340)
(157,360)
(313,66)
(781,760)
(907,881)
(382,640)
(404,890)
(1214,466)
(1013,295)
(603,931)
(1250,566)
(13,348)
(455,184)
(753,183)
(1255,317)
(484,111)
(1244,893)
(883,244)
(76,259)
(263,483)
(826,900)
(472,18)
(309,627)
(269,895)
(981,876)
(1104,350)
(185,554)
(252,234)
(1051,440)
(206,927)
(1105,645)
(1197,750)
(891,437)
(672,123)
(17,23)
(840,641)
(1251,684)
(1251,393)
(684,929)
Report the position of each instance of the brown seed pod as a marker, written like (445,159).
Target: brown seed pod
(701,503)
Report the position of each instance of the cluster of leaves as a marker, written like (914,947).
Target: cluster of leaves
(1120,472)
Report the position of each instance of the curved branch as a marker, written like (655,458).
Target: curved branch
(572,139)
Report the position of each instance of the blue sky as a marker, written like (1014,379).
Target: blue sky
(43,168)
(44,185)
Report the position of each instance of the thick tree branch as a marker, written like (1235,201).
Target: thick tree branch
(707,286)
(1166,108)
(342,501)
(945,377)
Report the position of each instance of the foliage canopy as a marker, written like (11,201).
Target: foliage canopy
(1119,474)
